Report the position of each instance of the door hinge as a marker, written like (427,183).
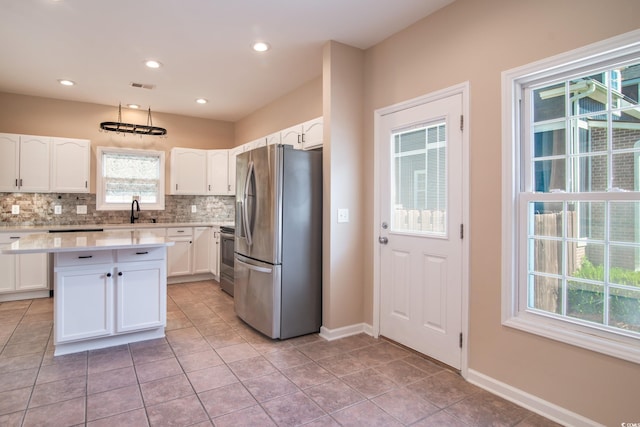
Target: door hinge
(461,122)
(460,339)
(462,231)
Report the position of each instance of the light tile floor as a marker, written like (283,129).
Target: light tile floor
(212,369)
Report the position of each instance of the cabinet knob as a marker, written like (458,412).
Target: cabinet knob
(108,274)
(119,273)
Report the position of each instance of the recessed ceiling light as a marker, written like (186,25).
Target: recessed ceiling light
(151,63)
(133,106)
(201,101)
(65,82)
(261,46)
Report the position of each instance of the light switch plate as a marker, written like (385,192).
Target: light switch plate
(81,209)
(15,209)
(57,209)
(343,215)
(194,209)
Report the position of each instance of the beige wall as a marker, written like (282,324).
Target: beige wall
(53,117)
(298,106)
(343,92)
(475,41)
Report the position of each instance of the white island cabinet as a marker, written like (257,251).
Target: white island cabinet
(110,288)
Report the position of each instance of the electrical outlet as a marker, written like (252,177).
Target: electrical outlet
(194,209)
(57,209)
(81,209)
(15,209)
(343,215)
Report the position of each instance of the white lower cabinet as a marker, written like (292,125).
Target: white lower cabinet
(215,252)
(96,299)
(141,298)
(201,250)
(83,303)
(180,255)
(22,274)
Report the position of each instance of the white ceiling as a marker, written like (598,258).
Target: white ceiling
(204,46)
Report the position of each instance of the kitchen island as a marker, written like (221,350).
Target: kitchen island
(110,288)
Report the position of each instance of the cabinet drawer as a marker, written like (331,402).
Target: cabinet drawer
(140,254)
(66,259)
(179,231)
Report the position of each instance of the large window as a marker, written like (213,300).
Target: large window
(125,174)
(571,198)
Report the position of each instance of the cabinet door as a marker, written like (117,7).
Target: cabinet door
(215,251)
(201,250)
(188,171)
(274,138)
(70,165)
(32,272)
(262,142)
(231,188)
(179,256)
(8,276)
(292,136)
(34,164)
(218,172)
(312,134)
(141,296)
(9,161)
(83,303)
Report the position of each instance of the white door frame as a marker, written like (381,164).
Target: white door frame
(462,89)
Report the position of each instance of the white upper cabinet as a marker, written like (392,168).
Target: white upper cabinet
(24,163)
(188,171)
(312,134)
(233,153)
(292,136)
(70,165)
(9,162)
(274,138)
(218,172)
(262,142)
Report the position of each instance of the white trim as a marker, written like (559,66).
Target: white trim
(529,401)
(617,49)
(464,90)
(345,331)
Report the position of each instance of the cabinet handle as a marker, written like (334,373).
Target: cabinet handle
(85,256)
(119,273)
(190,242)
(20,182)
(14,237)
(108,274)
(16,182)
(209,187)
(86,184)
(176,187)
(142,253)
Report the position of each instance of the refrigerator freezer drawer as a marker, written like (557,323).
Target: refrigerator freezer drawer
(257,294)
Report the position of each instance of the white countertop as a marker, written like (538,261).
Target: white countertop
(83,241)
(138,226)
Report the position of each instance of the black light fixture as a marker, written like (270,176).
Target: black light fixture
(119,126)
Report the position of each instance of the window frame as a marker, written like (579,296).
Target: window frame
(101,203)
(515,198)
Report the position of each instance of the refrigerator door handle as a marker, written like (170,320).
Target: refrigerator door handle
(254,267)
(245,211)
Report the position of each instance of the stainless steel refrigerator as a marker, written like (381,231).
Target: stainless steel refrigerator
(278,263)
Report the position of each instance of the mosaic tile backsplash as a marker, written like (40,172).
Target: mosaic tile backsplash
(38,209)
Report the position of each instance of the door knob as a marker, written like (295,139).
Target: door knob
(383,240)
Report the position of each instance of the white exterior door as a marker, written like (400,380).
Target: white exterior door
(421,214)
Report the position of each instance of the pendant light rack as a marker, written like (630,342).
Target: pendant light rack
(120,127)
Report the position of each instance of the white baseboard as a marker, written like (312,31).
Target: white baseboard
(529,401)
(345,331)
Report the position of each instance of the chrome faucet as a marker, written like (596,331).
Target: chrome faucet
(133,215)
